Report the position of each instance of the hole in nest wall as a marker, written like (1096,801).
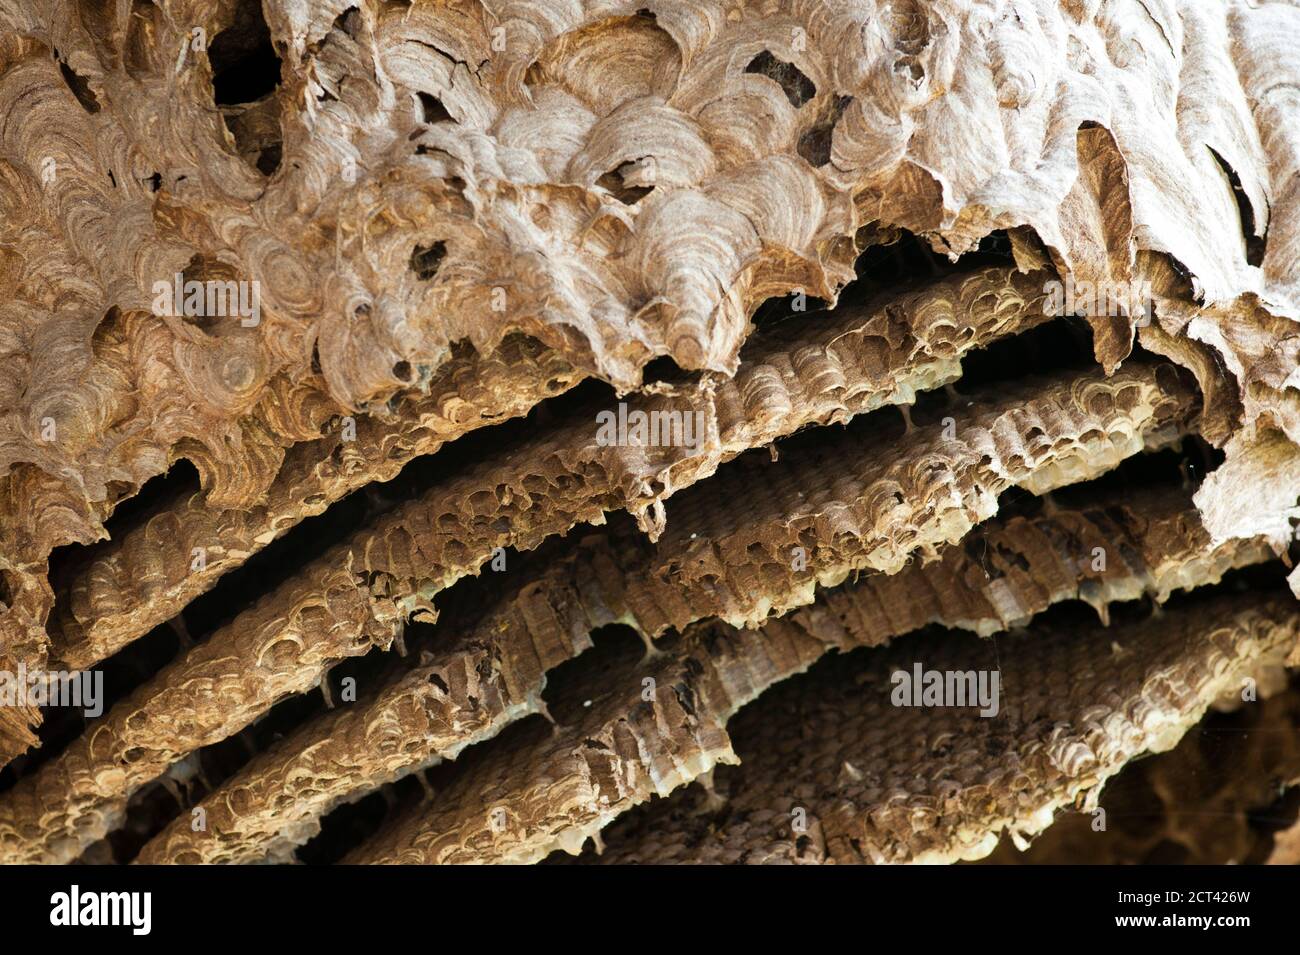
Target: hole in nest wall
(204,269)
(663,369)
(815,144)
(1255,244)
(616,181)
(425,259)
(140,52)
(244,65)
(434,111)
(245,74)
(80,88)
(797,87)
(268,159)
(8,589)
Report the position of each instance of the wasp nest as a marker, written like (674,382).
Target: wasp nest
(661,431)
